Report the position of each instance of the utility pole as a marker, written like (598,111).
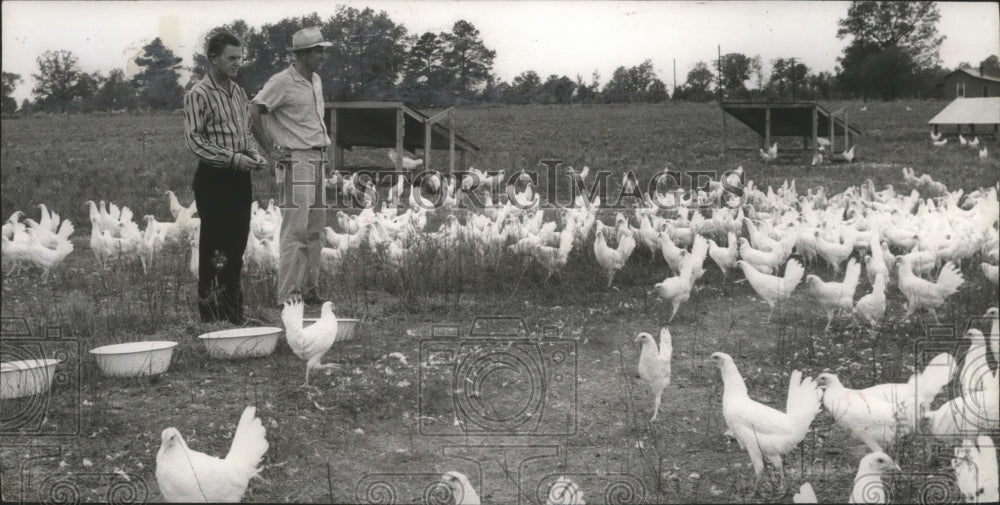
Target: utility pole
(793,79)
(719,81)
(674,94)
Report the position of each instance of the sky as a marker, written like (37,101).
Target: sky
(550,37)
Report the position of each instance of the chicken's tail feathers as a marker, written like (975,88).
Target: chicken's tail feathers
(566,239)
(292,314)
(935,376)
(794,272)
(249,442)
(805,495)
(950,279)
(803,399)
(666,346)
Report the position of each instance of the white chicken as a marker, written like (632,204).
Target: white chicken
(176,209)
(975,467)
(991,272)
(940,143)
(834,296)
(654,364)
(849,154)
(677,290)
(771,288)
(46,258)
(921,293)
(871,307)
(868,487)
(725,257)
(771,154)
(188,476)
(805,494)
(564,492)
(869,417)
(762,430)
(461,489)
(612,260)
(312,342)
(403,162)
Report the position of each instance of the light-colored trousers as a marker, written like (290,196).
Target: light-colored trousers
(301,237)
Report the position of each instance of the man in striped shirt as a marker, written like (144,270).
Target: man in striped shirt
(217,130)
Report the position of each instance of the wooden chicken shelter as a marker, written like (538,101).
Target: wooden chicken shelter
(982,112)
(807,120)
(393,125)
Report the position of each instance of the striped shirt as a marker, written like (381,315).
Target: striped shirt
(217,123)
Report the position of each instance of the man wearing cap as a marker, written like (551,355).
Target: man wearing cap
(296,138)
(217,130)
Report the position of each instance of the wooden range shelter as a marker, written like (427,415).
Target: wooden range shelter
(982,112)
(807,120)
(393,125)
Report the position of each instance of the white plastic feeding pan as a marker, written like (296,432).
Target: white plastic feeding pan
(26,377)
(345,327)
(241,342)
(134,359)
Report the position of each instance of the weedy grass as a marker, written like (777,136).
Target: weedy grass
(366,419)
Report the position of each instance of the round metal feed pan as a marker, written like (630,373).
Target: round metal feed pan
(134,359)
(241,342)
(27,377)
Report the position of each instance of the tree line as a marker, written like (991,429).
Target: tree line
(374,58)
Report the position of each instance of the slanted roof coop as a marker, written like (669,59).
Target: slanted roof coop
(793,119)
(983,112)
(393,125)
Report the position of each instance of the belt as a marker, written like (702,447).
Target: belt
(317,148)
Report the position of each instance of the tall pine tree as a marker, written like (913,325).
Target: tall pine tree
(158,81)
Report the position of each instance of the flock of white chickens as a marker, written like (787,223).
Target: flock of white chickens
(917,244)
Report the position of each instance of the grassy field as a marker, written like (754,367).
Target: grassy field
(385,421)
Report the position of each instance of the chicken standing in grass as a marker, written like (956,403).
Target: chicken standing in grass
(654,364)
(771,288)
(869,417)
(872,306)
(834,296)
(46,258)
(461,489)
(975,467)
(725,257)
(187,476)
(312,342)
(868,487)
(677,290)
(762,430)
(612,260)
(922,293)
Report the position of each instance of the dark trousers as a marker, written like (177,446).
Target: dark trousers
(223,196)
